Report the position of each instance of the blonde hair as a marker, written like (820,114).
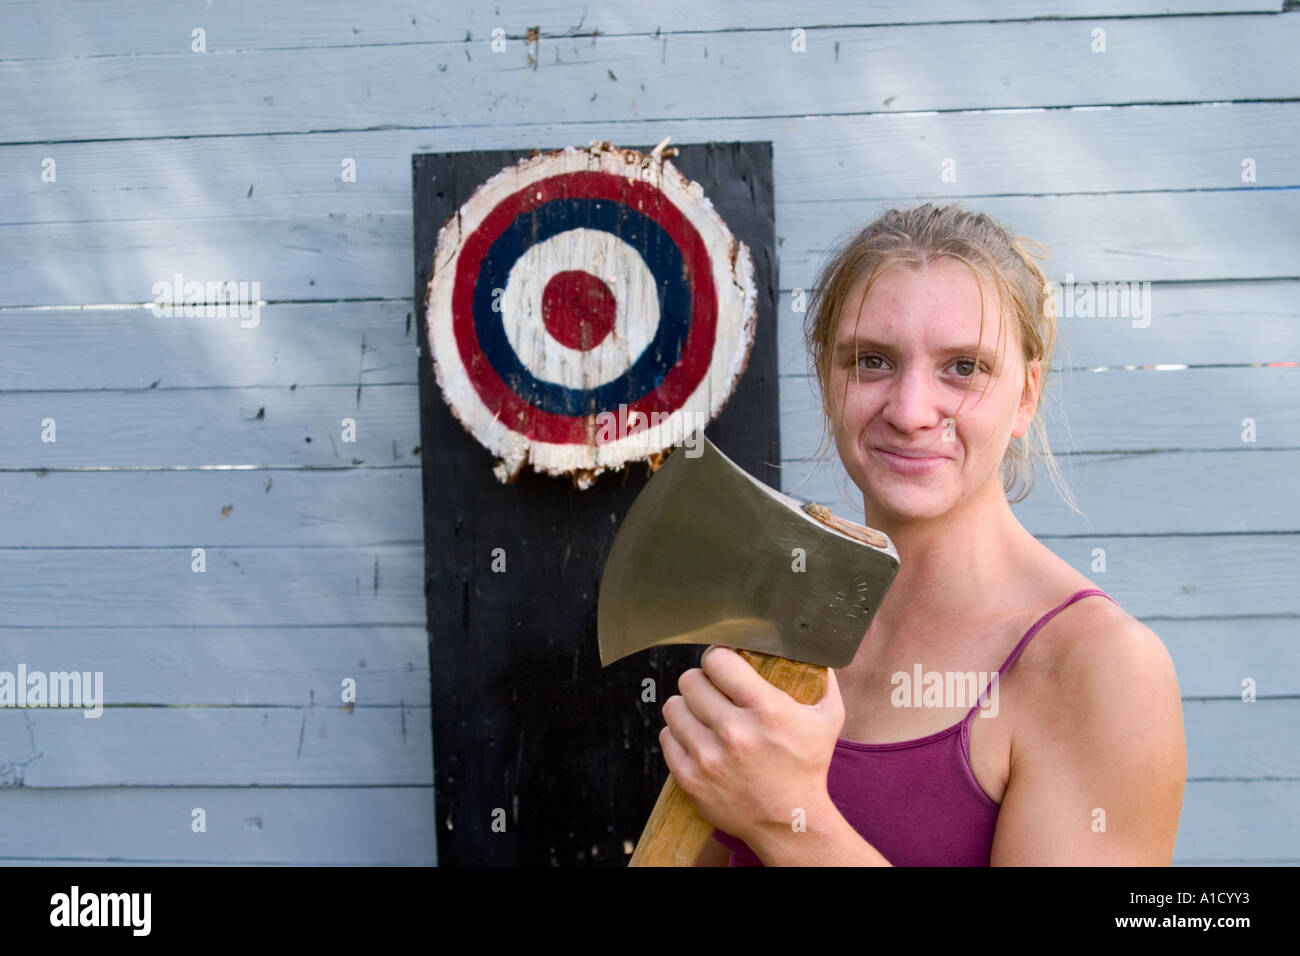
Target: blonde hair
(912,238)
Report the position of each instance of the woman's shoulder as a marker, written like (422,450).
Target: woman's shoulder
(1089,625)
(1091,651)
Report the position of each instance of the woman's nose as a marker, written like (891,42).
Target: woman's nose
(911,402)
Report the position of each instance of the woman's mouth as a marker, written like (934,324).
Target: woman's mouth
(908,463)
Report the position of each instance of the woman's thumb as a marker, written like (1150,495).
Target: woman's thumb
(831,700)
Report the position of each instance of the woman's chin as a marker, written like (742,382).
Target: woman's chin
(904,503)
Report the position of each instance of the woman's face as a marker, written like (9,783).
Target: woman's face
(900,381)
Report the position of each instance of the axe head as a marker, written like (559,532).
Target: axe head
(708,554)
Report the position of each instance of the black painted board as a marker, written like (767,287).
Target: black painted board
(528,728)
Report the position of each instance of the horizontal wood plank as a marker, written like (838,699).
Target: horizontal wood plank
(818,158)
(1139,411)
(352,507)
(1191,575)
(333,257)
(1233,491)
(1166,576)
(293,344)
(251,666)
(1042,63)
(1234,739)
(301,826)
(64,28)
(1122,494)
(1140,237)
(1214,657)
(228,746)
(1192,323)
(293,667)
(243,427)
(1225,823)
(242,587)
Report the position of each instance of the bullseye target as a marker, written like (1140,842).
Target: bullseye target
(587,308)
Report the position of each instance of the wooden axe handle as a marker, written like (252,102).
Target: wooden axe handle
(675,834)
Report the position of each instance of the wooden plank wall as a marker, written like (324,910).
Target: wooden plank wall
(222,688)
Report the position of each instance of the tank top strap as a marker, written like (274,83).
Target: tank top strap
(1029,636)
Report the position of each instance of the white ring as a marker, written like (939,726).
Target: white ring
(616,263)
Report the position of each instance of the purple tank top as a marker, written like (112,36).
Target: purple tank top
(916,801)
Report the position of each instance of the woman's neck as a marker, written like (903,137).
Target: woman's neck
(953,569)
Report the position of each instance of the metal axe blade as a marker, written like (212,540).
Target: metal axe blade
(708,554)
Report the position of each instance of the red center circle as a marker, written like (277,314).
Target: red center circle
(578,309)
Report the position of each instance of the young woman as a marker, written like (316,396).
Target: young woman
(1074,751)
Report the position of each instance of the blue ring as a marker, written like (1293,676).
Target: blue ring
(661,256)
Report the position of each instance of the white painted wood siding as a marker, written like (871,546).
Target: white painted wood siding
(176,433)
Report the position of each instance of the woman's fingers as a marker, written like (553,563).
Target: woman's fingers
(709,705)
(735,678)
(675,755)
(687,730)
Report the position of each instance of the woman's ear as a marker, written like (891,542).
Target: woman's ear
(1028,399)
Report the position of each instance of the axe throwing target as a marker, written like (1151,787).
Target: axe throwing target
(587,308)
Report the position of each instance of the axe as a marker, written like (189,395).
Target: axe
(708,554)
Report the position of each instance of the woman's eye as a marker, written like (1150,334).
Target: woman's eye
(966,368)
(975,368)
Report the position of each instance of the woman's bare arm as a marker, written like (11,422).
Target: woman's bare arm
(1097,775)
